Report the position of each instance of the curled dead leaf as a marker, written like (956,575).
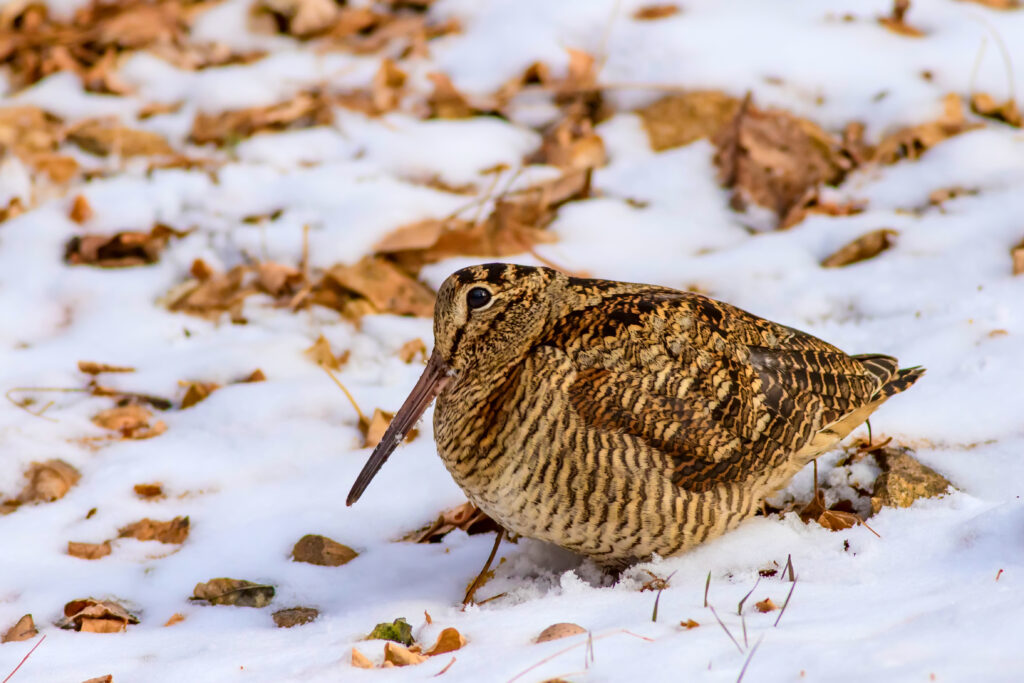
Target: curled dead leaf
(121,250)
(861,249)
(401,656)
(560,630)
(171,531)
(321,354)
(196,392)
(897,20)
(89,551)
(304,110)
(24,629)
(322,551)
(467,517)
(96,616)
(237,592)
(912,142)
(132,421)
(360,661)
(765,605)
(680,119)
(1007,111)
(689,624)
(48,481)
(449,640)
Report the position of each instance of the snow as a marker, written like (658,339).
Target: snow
(257,466)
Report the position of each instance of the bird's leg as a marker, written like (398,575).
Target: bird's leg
(478,581)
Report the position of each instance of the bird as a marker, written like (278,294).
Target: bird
(624,421)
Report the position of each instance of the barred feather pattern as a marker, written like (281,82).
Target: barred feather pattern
(624,420)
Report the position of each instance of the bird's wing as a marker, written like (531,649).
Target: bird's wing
(719,391)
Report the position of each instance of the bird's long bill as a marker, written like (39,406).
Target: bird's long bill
(433,380)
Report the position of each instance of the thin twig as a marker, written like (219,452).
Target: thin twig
(572,647)
(24,659)
(789,568)
(724,628)
(749,657)
(783,610)
(743,622)
(707,587)
(478,581)
(351,399)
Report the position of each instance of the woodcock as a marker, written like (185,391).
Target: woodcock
(622,420)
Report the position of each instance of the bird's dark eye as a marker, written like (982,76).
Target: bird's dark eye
(478,297)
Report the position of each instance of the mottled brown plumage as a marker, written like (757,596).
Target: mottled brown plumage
(622,420)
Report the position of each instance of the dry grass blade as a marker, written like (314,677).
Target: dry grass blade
(477,582)
(749,657)
(348,395)
(24,659)
(707,587)
(657,598)
(726,629)
(739,608)
(572,647)
(785,604)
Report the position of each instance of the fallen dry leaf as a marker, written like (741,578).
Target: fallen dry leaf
(175,618)
(561,630)
(304,110)
(386,286)
(896,22)
(277,279)
(121,250)
(765,605)
(467,517)
(132,421)
(211,294)
(322,551)
(446,102)
(80,211)
(689,624)
(775,159)
(93,368)
(997,4)
(48,481)
(861,249)
(411,349)
(196,392)
(945,194)
(13,209)
(680,119)
(149,490)
(105,139)
(651,12)
(172,531)
(109,678)
(449,640)
(255,376)
(295,616)
(89,551)
(1017,254)
(24,629)
(912,142)
(837,520)
(360,661)
(237,592)
(321,354)
(401,656)
(904,480)
(374,428)
(1007,112)
(96,616)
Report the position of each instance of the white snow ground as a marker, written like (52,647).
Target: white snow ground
(257,466)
